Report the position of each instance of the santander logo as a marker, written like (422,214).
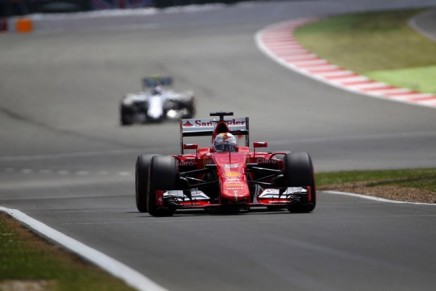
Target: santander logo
(211,123)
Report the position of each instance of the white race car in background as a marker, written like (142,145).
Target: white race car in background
(149,106)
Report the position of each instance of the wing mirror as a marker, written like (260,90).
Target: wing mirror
(259,144)
(190,146)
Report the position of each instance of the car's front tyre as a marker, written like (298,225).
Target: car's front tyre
(163,176)
(141,181)
(299,172)
(126,116)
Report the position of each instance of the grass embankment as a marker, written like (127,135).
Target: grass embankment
(414,185)
(29,263)
(380,45)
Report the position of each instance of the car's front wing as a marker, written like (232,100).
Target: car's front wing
(268,198)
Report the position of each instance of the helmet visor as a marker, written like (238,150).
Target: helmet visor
(225,147)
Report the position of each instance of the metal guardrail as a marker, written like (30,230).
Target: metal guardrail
(10,8)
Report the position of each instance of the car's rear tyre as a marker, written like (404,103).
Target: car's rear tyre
(299,172)
(163,176)
(141,181)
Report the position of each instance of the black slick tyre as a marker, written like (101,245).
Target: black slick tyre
(191,108)
(141,181)
(126,116)
(163,176)
(299,172)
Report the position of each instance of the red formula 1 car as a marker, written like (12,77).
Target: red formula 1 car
(229,181)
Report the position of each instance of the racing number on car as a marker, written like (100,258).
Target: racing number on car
(232,174)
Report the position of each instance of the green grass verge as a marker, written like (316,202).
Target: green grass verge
(417,178)
(417,185)
(367,43)
(418,79)
(26,258)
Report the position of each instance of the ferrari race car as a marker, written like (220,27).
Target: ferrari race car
(156,103)
(223,180)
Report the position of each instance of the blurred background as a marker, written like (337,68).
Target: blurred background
(23,7)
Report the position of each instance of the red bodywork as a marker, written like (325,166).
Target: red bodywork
(231,173)
(227,179)
(231,170)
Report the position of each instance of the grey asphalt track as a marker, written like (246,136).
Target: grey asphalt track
(65,160)
(425,23)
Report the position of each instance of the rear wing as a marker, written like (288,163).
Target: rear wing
(238,126)
(151,82)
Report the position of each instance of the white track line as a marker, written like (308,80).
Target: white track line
(376,198)
(110,265)
(278,43)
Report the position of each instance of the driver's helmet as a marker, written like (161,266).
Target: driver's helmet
(156,90)
(225,142)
